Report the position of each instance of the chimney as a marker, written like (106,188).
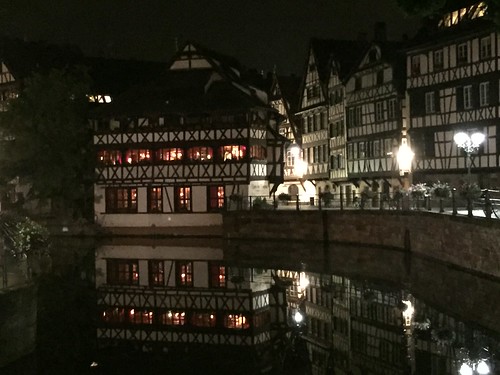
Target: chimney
(379,32)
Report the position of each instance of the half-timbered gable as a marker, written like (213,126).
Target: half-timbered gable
(453,85)
(191,138)
(374,93)
(328,62)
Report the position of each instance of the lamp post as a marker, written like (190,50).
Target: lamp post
(469,144)
(471,368)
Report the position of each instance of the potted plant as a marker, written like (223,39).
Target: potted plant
(418,192)
(284,198)
(442,191)
(470,191)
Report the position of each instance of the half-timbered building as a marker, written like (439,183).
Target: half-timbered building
(181,300)
(283,97)
(184,144)
(374,96)
(452,85)
(321,107)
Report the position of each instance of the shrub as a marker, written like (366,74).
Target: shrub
(418,190)
(441,189)
(284,197)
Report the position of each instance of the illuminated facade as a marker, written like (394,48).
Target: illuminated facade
(184,145)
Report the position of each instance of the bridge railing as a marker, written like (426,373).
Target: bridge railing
(487,205)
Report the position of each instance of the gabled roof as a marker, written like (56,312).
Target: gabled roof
(197,81)
(286,87)
(345,54)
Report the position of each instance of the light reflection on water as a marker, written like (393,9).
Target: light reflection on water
(364,310)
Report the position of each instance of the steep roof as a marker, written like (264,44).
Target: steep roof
(346,54)
(198,81)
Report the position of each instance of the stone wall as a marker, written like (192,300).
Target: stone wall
(469,243)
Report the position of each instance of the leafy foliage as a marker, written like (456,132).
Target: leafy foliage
(46,139)
(441,189)
(418,190)
(470,190)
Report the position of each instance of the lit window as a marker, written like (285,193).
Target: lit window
(200,153)
(156,273)
(236,321)
(109,157)
(155,201)
(113,315)
(229,153)
(137,156)
(217,276)
(121,200)
(216,198)
(173,318)
(122,272)
(138,316)
(184,273)
(169,154)
(206,319)
(182,199)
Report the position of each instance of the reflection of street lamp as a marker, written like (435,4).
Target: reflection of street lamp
(471,368)
(470,144)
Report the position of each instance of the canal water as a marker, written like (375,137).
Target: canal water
(357,310)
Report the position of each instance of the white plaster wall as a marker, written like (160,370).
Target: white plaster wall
(199,196)
(200,274)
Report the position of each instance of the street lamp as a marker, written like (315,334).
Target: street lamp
(469,368)
(469,144)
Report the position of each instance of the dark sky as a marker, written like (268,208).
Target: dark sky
(259,33)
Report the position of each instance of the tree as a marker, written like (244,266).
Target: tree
(421,7)
(47,142)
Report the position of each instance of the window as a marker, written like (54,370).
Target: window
(258,152)
(184,273)
(438,59)
(379,111)
(354,116)
(121,200)
(485,48)
(182,199)
(206,319)
(484,94)
(200,153)
(114,315)
(415,65)
(357,83)
(216,198)
(156,273)
(430,102)
(109,157)
(173,318)
(138,156)
(391,109)
(236,321)
(380,77)
(312,92)
(217,276)
(229,153)
(169,154)
(462,53)
(122,271)
(155,201)
(467,97)
(137,316)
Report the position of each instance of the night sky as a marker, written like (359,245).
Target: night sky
(259,33)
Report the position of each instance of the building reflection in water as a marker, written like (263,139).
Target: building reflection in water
(185,302)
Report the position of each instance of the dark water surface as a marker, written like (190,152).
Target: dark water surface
(356,307)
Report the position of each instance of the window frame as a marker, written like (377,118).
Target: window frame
(115,198)
(156,272)
(484,94)
(155,199)
(184,275)
(122,272)
(183,201)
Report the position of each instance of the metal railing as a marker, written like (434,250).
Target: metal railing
(487,205)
